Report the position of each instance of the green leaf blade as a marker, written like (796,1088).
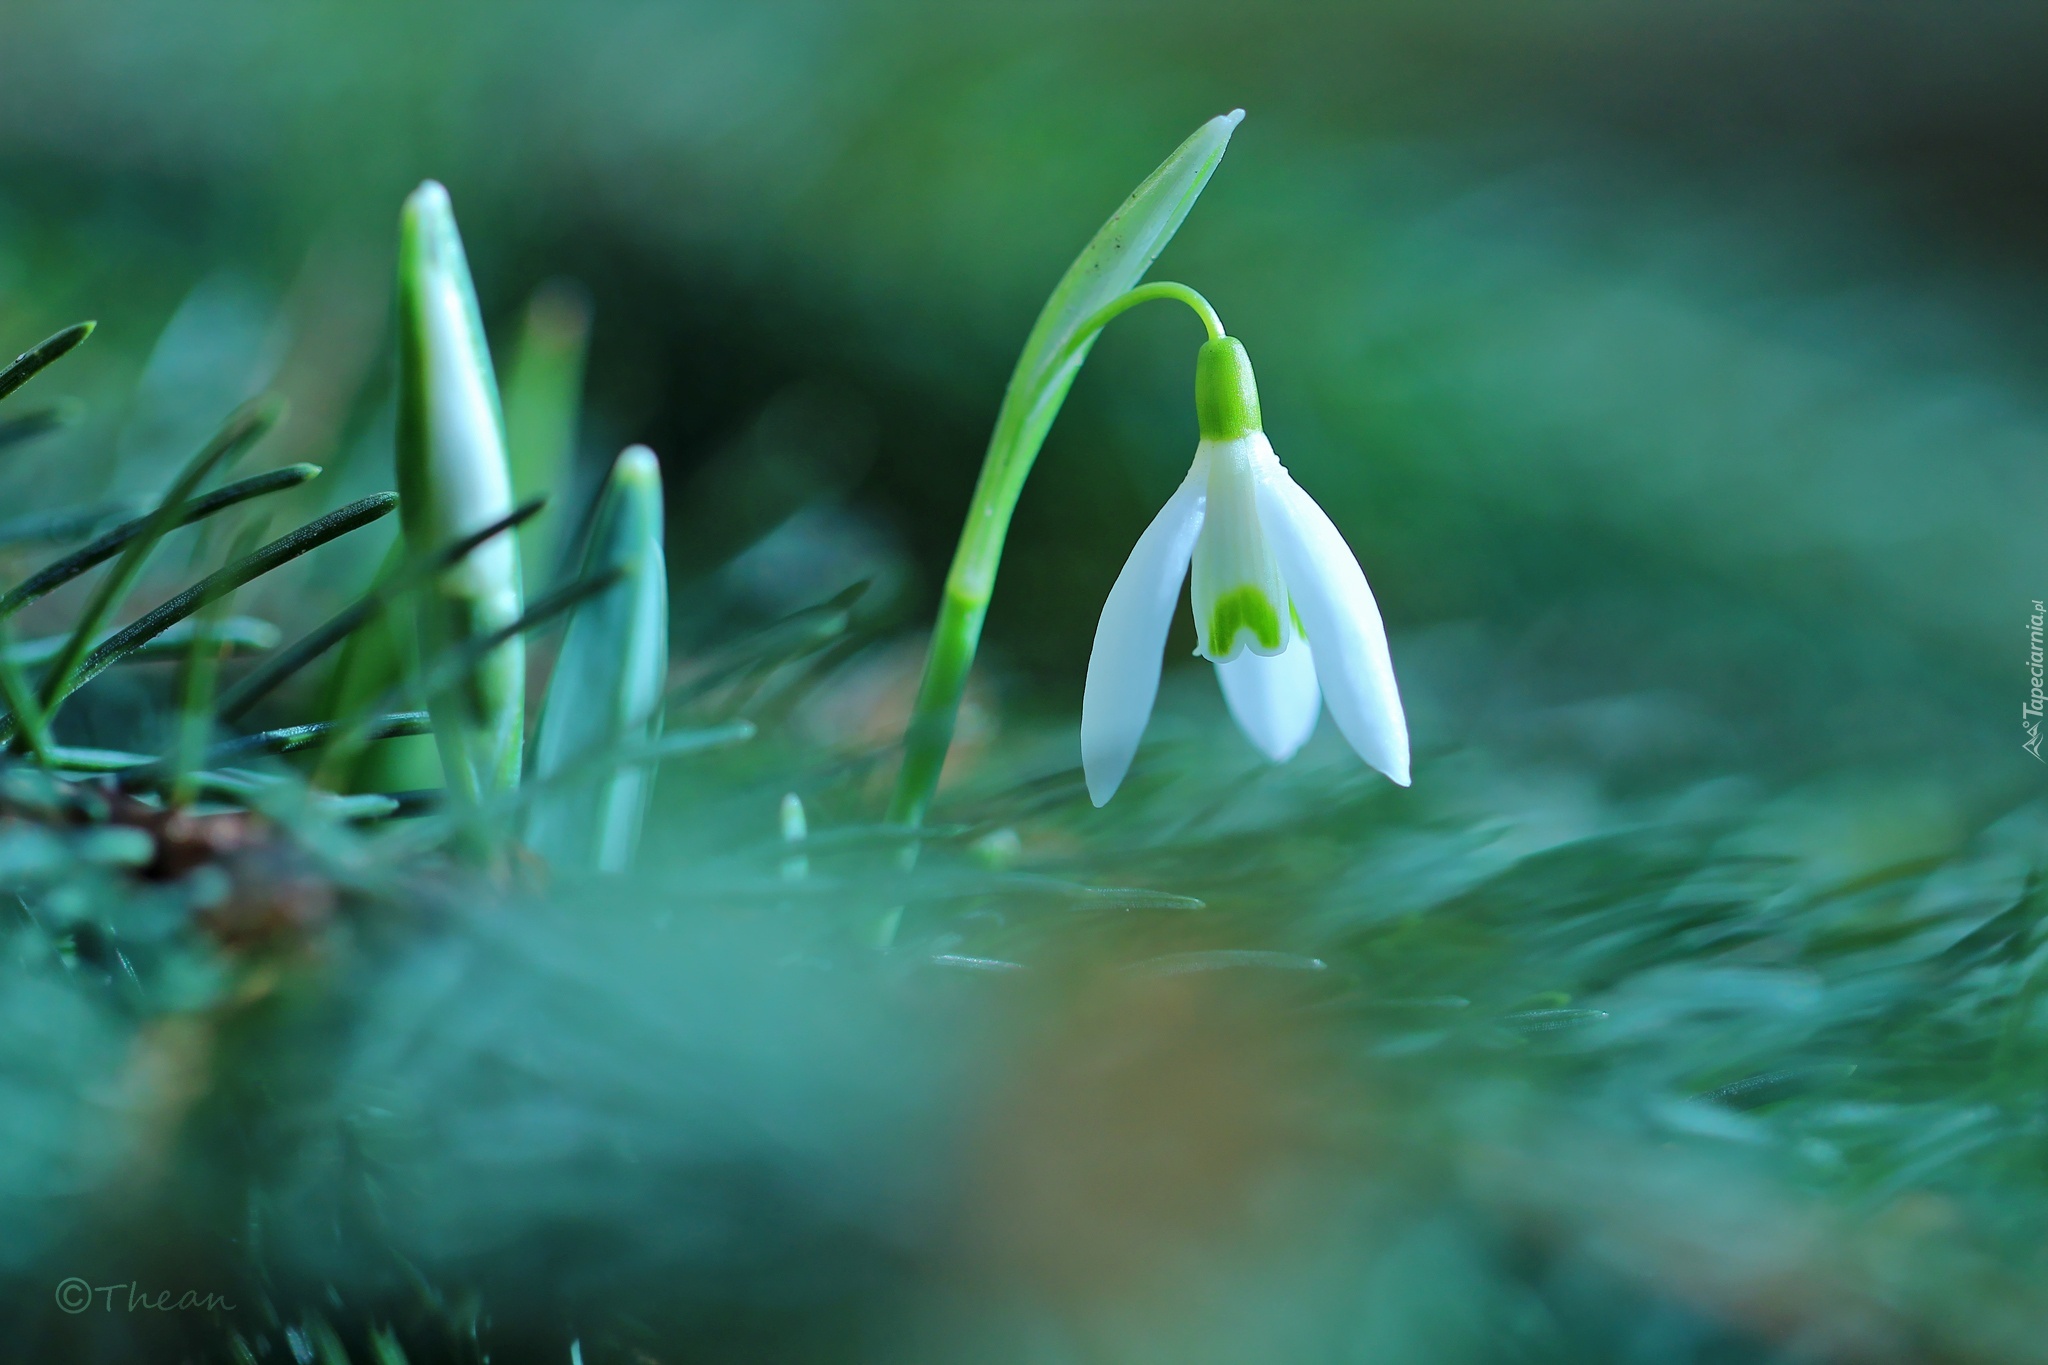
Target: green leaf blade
(235,634)
(1120,253)
(1111,265)
(39,357)
(543,399)
(38,422)
(604,702)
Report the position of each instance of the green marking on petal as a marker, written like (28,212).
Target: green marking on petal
(1295,616)
(1245,608)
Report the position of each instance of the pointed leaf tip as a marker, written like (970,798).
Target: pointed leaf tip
(32,361)
(638,464)
(428,196)
(1114,260)
(604,700)
(266,411)
(428,238)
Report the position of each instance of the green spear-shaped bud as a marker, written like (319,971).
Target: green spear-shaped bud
(603,708)
(453,480)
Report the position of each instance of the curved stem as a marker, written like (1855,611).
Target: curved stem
(1021,429)
(1145,293)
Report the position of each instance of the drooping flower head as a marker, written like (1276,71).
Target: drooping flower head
(1281,607)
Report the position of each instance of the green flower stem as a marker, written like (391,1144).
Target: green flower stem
(1020,432)
(1145,293)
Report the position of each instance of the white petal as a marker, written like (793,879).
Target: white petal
(1123,670)
(1237,593)
(1342,622)
(1275,699)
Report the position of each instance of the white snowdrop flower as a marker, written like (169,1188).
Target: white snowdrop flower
(1281,606)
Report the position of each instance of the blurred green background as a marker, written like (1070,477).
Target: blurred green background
(1672,368)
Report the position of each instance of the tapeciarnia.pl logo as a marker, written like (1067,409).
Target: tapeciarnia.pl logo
(2030,714)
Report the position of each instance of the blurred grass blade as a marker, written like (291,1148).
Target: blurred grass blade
(456,667)
(278,552)
(33,361)
(794,829)
(609,677)
(274,795)
(386,1350)
(199,676)
(261,681)
(677,743)
(21,698)
(216,585)
(65,523)
(378,659)
(242,430)
(56,575)
(230,634)
(454,479)
(143,772)
(452,669)
(38,422)
(1224,959)
(634,751)
(83,760)
(291,739)
(543,395)
(801,633)
(233,633)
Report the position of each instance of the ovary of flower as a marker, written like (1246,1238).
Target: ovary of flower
(1281,606)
